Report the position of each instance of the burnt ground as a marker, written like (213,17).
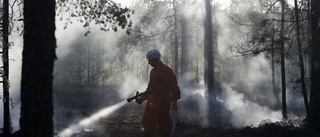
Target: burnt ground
(125,122)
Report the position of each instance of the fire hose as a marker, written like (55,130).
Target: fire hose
(174,115)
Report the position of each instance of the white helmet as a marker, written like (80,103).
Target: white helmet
(153,53)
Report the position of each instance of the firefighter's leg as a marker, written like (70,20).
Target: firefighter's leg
(165,126)
(164,120)
(149,121)
(148,130)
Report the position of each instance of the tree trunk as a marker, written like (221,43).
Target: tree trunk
(315,65)
(309,37)
(5,75)
(208,49)
(197,54)
(184,49)
(213,106)
(283,72)
(37,68)
(89,65)
(301,64)
(176,59)
(277,100)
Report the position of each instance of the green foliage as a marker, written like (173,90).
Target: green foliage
(105,13)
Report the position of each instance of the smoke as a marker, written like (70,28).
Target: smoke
(246,99)
(245,112)
(15,57)
(131,85)
(118,76)
(15,79)
(246,94)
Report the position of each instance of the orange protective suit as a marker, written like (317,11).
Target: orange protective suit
(162,89)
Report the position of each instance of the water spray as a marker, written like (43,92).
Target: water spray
(139,98)
(88,121)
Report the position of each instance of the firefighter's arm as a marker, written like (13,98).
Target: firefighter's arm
(144,95)
(175,90)
(174,97)
(152,81)
(174,105)
(175,93)
(141,98)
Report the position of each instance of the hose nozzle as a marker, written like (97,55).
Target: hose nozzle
(134,97)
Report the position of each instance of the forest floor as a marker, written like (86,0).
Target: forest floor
(126,122)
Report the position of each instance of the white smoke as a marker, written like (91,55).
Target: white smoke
(15,63)
(245,112)
(131,85)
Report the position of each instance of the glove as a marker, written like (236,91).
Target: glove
(174,105)
(140,99)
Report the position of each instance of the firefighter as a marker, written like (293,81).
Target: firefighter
(162,91)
